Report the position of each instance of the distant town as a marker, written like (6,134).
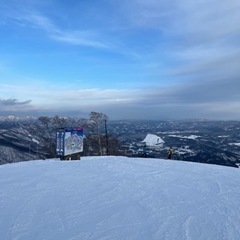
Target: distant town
(214,142)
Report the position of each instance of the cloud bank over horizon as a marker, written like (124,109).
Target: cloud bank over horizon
(139,59)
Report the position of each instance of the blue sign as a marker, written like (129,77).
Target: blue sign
(69,141)
(60,143)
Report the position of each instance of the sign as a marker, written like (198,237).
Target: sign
(73,141)
(60,143)
(69,141)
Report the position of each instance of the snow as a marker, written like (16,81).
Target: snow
(36,141)
(184,150)
(100,198)
(153,140)
(236,144)
(193,137)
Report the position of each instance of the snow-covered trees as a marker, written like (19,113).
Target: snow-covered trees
(48,128)
(95,132)
(96,121)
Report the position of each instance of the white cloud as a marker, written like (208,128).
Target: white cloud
(192,43)
(31,18)
(83,38)
(170,102)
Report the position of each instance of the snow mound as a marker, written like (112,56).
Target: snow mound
(153,140)
(118,198)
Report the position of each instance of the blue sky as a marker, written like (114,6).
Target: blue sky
(138,59)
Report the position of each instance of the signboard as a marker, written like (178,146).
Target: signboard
(60,143)
(73,141)
(69,141)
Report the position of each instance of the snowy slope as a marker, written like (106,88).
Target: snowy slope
(117,198)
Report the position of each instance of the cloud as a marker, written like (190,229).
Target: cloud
(175,102)
(33,18)
(13,102)
(15,107)
(83,38)
(192,37)
(207,19)
(210,21)
(191,51)
(202,92)
(74,37)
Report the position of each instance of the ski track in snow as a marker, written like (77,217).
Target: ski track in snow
(100,198)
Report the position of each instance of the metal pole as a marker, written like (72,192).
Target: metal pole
(106,134)
(37,150)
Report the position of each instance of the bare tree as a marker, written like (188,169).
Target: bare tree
(48,132)
(97,120)
(94,129)
(49,127)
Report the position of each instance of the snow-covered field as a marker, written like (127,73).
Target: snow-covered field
(117,198)
(193,137)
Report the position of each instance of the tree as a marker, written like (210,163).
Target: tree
(49,126)
(96,120)
(47,131)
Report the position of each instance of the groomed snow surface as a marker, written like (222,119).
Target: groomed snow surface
(113,198)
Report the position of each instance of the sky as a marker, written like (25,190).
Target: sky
(138,59)
(119,198)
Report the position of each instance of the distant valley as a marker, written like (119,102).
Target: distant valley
(215,142)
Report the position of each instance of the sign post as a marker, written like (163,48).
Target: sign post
(69,143)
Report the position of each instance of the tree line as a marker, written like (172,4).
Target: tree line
(97,139)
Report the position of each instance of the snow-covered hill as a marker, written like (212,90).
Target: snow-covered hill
(118,198)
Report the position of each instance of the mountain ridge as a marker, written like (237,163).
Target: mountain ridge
(210,142)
